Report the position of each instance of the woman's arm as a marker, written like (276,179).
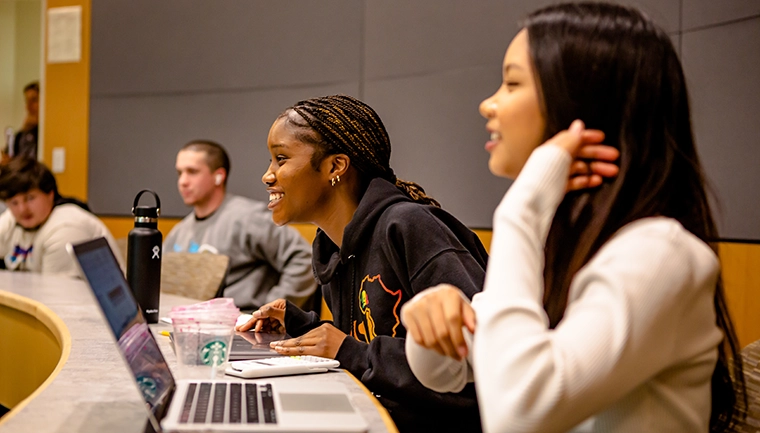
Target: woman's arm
(441,373)
(625,317)
(442,367)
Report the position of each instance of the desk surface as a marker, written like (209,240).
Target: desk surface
(94,391)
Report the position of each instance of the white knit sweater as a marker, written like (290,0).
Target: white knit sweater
(635,350)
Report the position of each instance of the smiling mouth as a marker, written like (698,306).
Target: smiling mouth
(495,136)
(275,196)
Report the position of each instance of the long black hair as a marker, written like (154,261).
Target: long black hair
(612,67)
(343,124)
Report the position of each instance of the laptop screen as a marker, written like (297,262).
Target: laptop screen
(135,341)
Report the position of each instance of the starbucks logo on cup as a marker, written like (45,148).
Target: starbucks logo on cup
(213,353)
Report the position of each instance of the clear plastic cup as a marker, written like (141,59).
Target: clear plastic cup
(203,337)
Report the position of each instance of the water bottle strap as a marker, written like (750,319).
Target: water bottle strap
(158,203)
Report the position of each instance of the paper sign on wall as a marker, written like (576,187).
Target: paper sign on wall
(64,34)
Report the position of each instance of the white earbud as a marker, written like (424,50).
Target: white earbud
(218,179)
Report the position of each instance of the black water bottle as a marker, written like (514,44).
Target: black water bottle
(144,257)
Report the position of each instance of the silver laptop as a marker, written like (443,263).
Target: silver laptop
(213,405)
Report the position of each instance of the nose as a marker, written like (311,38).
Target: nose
(182,180)
(268,178)
(487,108)
(22,207)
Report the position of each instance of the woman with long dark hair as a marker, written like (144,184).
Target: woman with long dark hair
(603,309)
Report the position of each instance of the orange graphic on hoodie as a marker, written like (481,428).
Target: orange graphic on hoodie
(368,332)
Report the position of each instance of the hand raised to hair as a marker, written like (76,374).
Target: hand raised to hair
(592,161)
(323,341)
(269,318)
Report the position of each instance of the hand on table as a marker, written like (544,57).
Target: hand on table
(323,341)
(269,318)
(435,320)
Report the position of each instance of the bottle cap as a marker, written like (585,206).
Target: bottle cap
(145,211)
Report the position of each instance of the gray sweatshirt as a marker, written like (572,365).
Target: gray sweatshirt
(267,262)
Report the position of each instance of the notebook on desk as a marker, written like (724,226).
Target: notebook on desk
(212,405)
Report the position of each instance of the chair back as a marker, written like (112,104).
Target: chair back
(197,276)
(751,359)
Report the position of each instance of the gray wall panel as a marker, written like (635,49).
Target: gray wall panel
(663,12)
(726,103)
(134,141)
(409,38)
(166,72)
(145,46)
(701,13)
(438,137)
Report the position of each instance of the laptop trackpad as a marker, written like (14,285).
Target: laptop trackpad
(294,402)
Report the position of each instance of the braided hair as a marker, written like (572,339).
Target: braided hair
(343,124)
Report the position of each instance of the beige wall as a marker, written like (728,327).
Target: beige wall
(7,51)
(20,41)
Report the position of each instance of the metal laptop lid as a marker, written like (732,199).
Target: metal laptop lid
(305,407)
(133,337)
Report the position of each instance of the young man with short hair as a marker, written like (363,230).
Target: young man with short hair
(267,262)
(38,223)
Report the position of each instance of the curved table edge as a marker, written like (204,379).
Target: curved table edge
(387,420)
(56,326)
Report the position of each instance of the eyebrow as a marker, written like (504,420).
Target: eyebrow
(277,145)
(509,66)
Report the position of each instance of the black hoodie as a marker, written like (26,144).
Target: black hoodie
(393,248)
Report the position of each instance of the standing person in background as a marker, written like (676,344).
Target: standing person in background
(266,262)
(603,310)
(39,222)
(25,141)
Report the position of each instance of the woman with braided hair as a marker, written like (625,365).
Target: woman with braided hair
(330,167)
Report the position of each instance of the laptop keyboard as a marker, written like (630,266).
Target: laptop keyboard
(231,403)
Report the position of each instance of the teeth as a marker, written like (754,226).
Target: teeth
(495,136)
(275,196)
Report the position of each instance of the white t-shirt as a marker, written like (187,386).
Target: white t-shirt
(44,250)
